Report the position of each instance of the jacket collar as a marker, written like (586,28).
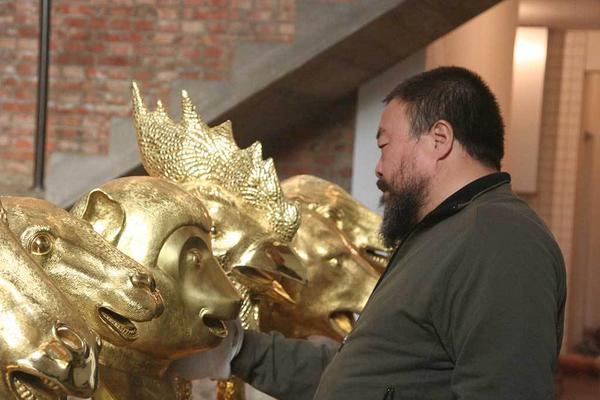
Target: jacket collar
(453,204)
(462,198)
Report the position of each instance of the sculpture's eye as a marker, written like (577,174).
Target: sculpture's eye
(213,230)
(41,243)
(334,262)
(193,257)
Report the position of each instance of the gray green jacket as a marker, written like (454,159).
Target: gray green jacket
(470,307)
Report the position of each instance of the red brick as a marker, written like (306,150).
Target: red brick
(120,49)
(95,47)
(144,25)
(98,23)
(213,52)
(74,59)
(121,11)
(8,43)
(120,24)
(166,38)
(27,44)
(99,46)
(77,34)
(74,46)
(193,26)
(28,32)
(23,143)
(75,22)
(167,13)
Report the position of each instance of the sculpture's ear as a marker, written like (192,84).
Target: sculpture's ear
(106,215)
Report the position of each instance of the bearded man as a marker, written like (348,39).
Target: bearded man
(471,304)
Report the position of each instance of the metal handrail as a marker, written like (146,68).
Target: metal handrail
(42,95)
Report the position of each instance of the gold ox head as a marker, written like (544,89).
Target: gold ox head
(109,289)
(166,229)
(338,285)
(355,221)
(46,348)
(253,222)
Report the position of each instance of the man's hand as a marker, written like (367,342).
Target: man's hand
(215,363)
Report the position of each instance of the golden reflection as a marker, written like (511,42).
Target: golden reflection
(357,222)
(92,274)
(339,283)
(252,221)
(167,230)
(46,348)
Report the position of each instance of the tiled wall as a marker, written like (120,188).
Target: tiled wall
(561,128)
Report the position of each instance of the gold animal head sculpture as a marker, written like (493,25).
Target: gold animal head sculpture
(46,349)
(357,222)
(165,228)
(109,289)
(338,286)
(252,221)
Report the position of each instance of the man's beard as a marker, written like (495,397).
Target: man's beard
(401,207)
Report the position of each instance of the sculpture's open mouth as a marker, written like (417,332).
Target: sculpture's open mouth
(32,387)
(215,326)
(119,324)
(379,256)
(343,321)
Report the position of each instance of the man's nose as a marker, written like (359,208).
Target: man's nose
(378,172)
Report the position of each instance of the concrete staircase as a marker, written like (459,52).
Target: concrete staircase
(338,45)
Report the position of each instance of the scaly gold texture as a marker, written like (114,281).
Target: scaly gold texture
(166,229)
(358,223)
(46,348)
(252,221)
(193,150)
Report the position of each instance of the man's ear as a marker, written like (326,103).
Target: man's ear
(442,136)
(106,216)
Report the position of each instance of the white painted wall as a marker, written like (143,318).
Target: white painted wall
(370,106)
(522,147)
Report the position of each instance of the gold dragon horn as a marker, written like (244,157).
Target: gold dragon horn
(192,150)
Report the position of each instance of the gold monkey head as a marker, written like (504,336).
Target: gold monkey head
(110,290)
(252,221)
(338,286)
(167,229)
(46,348)
(358,223)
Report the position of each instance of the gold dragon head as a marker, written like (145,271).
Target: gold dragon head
(191,150)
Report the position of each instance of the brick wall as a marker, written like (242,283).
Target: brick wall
(323,148)
(99,46)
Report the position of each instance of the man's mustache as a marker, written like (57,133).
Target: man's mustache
(382,185)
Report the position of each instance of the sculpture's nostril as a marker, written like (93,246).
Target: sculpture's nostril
(141,280)
(69,338)
(152,283)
